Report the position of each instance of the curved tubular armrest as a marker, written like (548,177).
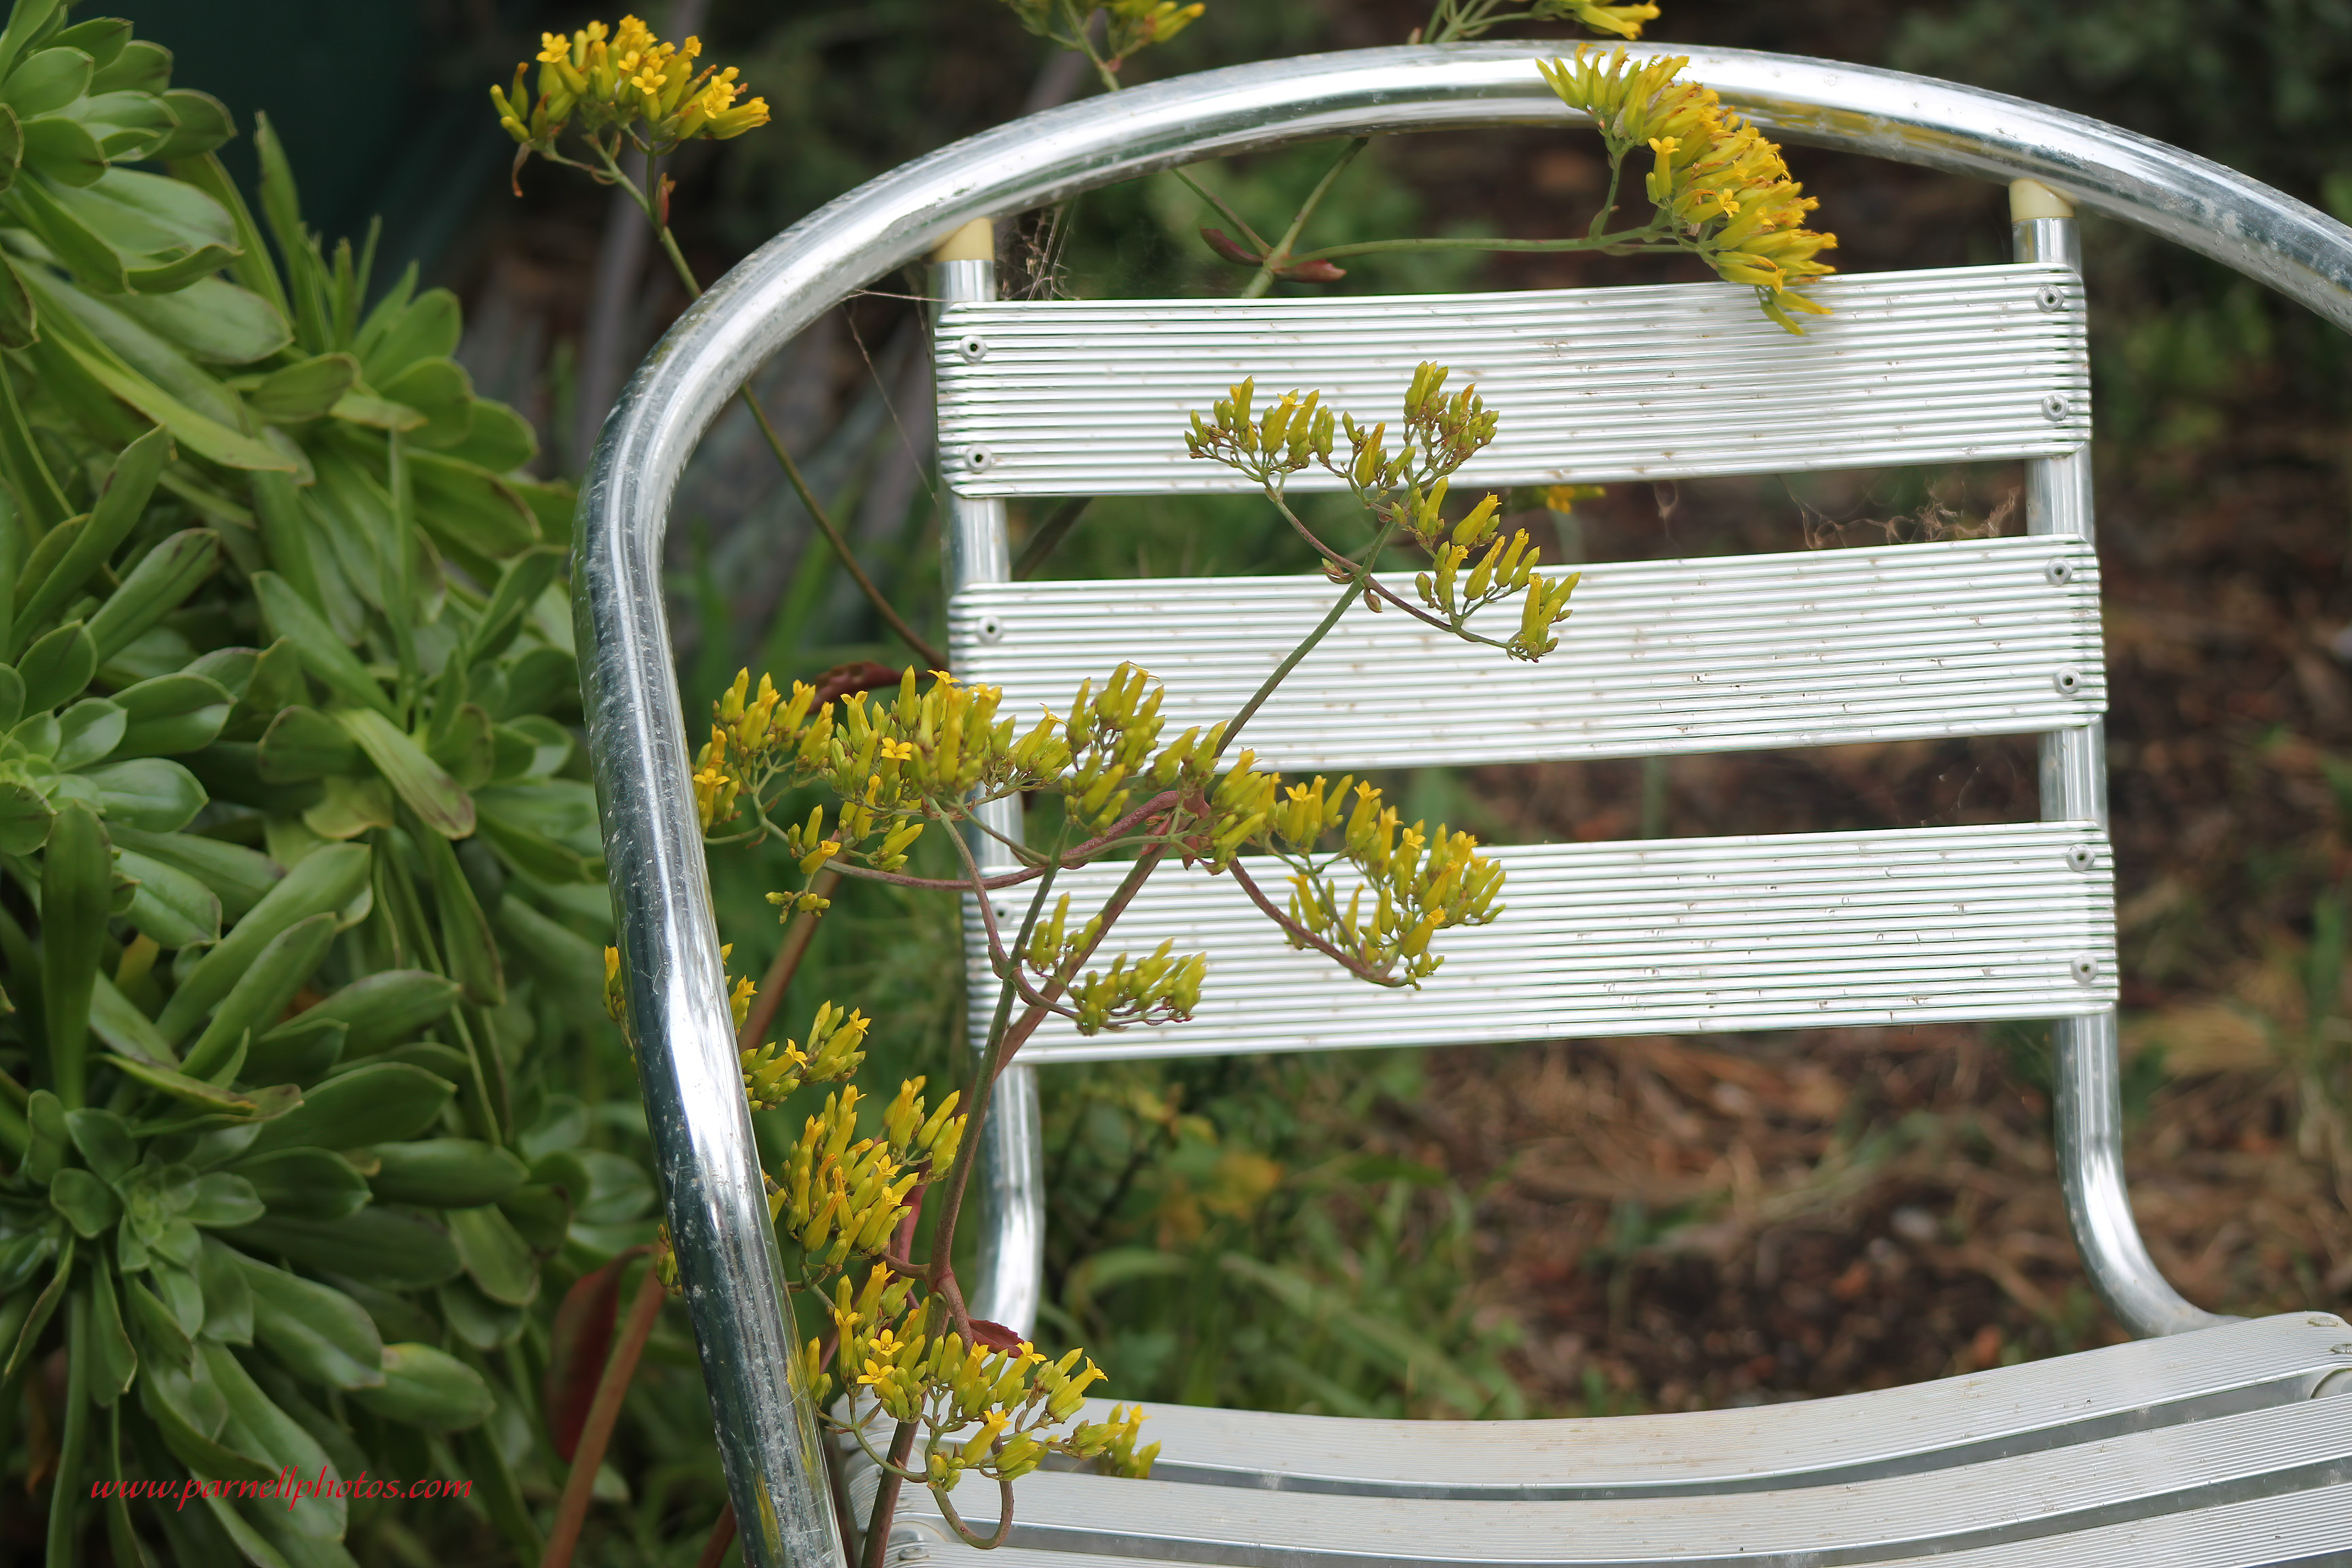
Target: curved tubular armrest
(701,1131)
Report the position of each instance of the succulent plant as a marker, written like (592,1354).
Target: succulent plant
(296,866)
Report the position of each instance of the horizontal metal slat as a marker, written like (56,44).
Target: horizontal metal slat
(2035,1406)
(1725,653)
(1963,365)
(1701,935)
(2272,1455)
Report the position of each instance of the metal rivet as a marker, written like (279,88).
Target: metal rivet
(991,629)
(2067,679)
(2058,572)
(2086,969)
(973,350)
(2050,297)
(978,459)
(2057,406)
(2082,856)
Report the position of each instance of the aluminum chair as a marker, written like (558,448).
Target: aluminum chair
(2206,1443)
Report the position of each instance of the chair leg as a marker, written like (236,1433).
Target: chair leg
(2090,1117)
(1012,1275)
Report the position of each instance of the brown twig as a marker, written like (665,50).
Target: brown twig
(779,977)
(723,1536)
(571,1511)
(885,1495)
(1281,916)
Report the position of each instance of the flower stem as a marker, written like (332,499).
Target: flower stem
(1279,257)
(773,984)
(588,1456)
(817,514)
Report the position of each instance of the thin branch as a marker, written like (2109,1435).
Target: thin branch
(723,1536)
(1281,916)
(1004,1520)
(885,1495)
(1275,259)
(579,1487)
(1049,536)
(817,514)
(773,984)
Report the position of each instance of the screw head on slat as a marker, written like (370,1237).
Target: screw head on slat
(2049,297)
(2056,407)
(2082,856)
(991,629)
(2067,679)
(978,459)
(973,350)
(2058,572)
(2086,969)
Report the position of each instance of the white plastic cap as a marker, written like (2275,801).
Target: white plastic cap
(975,241)
(2032,199)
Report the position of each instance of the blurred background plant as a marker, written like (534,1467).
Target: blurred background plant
(1603,1226)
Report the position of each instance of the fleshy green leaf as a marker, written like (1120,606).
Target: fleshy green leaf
(317,1332)
(148,792)
(428,1388)
(373,1104)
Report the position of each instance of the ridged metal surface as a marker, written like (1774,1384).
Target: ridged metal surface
(2268,1453)
(2034,1406)
(1693,934)
(1818,648)
(1093,397)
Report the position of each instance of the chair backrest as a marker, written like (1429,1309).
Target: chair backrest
(675,982)
(1965,638)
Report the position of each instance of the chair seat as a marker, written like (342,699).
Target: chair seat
(2037,1405)
(2120,1444)
(2185,1450)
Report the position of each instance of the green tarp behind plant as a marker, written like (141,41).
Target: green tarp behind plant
(298,874)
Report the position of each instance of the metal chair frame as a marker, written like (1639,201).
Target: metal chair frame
(701,1130)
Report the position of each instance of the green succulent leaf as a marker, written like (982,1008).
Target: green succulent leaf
(56,666)
(219,1200)
(236,1105)
(77,874)
(105,1142)
(88,1204)
(170,907)
(307,1184)
(240,877)
(377,1103)
(446,1173)
(172,713)
(202,123)
(256,1425)
(302,744)
(305,390)
(47,80)
(414,777)
(87,732)
(297,1052)
(25,816)
(116,1361)
(212,320)
(261,992)
(228,1313)
(384,1247)
(147,792)
(386,1009)
(428,1388)
(45,1116)
(325,881)
(315,1331)
(162,581)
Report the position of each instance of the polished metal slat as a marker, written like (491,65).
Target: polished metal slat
(1093,397)
(1694,934)
(1810,648)
(2270,1454)
(2033,1406)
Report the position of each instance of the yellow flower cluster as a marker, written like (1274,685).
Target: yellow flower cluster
(1129,25)
(1723,187)
(1404,489)
(985,1409)
(1624,21)
(625,81)
(837,1040)
(838,1194)
(1420,883)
